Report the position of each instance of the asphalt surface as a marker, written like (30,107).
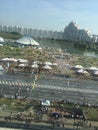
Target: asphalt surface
(49,87)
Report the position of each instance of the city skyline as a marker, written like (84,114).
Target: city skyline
(72,32)
(51,15)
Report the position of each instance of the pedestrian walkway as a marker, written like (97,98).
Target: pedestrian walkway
(81,90)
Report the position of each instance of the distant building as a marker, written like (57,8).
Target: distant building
(20,30)
(25,31)
(72,32)
(5,28)
(10,28)
(1,28)
(15,28)
(95,38)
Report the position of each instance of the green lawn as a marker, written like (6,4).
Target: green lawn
(10,35)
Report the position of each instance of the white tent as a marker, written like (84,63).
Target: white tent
(78,67)
(22,65)
(47,67)
(9,59)
(26,40)
(47,63)
(34,66)
(82,71)
(22,60)
(93,68)
(36,62)
(5,59)
(1,39)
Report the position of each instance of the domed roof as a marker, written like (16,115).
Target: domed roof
(1,39)
(26,40)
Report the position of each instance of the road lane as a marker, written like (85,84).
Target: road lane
(50,87)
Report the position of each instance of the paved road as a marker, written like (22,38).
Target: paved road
(53,88)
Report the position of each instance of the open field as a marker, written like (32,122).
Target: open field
(52,55)
(63,60)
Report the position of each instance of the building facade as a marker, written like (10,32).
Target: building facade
(72,32)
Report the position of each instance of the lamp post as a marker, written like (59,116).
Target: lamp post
(28,91)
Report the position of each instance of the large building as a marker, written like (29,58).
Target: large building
(72,32)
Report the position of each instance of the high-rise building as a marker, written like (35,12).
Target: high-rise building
(20,30)
(25,31)
(73,33)
(5,28)
(1,28)
(10,28)
(15,28)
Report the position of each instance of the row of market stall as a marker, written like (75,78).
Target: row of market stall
(23,64)
(47,65)
(81,70)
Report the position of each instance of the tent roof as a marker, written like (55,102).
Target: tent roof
(26,40)
(22,65)
(48,63)
(22,60)
(82,71)
(34,66)
(78,66)
(47,67)
(93,68)
(1,39)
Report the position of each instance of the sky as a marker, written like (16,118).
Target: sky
(50,14)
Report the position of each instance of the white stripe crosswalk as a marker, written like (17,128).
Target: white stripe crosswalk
(11,83)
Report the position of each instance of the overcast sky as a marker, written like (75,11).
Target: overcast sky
(50,14)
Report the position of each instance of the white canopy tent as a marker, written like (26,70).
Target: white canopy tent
(93,68)
(26,40)
(22,60)
(47,63)
(78,67)
(47,67)
(9,59)
(1,39)
(81,71)
(22,65)
(35,66)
